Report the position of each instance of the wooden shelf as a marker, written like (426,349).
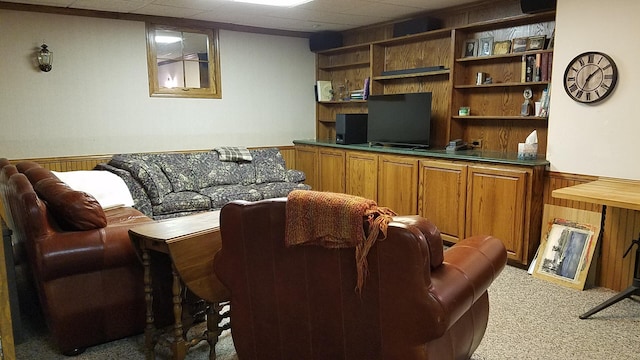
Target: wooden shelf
(510,84)
(509,56)
(342,102)
(344,66)
(508,22)
(411,75)
(344,49)
(502,117)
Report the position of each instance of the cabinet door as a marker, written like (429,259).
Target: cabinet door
(307,162)
(442,196)
(331,170)
(362,174)
(398,184)
(496,199)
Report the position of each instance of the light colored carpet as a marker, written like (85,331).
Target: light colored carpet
(529,319)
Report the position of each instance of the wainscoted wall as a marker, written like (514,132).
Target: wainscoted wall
(72,163)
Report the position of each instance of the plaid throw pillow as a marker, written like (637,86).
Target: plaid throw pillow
(233,153)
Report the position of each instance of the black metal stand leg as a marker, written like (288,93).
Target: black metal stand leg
(634,289)
(631,290)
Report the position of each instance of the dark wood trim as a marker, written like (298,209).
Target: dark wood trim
(148,18)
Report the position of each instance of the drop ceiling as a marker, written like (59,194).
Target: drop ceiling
(317,15)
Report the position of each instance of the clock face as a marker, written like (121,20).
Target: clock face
(590,77)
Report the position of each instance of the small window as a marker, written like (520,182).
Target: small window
(183,62)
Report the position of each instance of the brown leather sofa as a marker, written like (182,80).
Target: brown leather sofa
(418,302)
(87,275)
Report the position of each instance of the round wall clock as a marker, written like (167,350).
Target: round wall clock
(590,77)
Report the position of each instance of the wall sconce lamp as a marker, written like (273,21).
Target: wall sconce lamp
(45,58)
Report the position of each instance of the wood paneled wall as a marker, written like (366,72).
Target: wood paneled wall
(88,162)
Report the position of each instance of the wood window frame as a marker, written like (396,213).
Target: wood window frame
(212,91)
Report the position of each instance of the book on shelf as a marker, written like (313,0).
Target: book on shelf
(536,67)
(324,90)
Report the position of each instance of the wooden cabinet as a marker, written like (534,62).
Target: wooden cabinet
(362,174)
(398,183)
(462,197)
(442,196)
(496,206)
(307,162)
(331,170)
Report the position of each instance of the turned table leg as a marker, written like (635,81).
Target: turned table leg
(179,346)
(149,330)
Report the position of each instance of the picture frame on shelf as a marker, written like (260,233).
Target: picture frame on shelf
(470,48)
(502,47)
(485,47)
(536,42)
(519,45)
(324,90)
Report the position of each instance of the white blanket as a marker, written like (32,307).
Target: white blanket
(108,188)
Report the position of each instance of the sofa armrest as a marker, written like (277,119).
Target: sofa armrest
(468,269)
(78,252)
(295,176)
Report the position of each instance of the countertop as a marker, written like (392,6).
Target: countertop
(467,155)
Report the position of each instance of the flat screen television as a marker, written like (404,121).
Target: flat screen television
(399,119)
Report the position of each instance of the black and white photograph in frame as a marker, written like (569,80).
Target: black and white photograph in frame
(519,45)
(486,46)
(536,42)
(470,48)
(566,252)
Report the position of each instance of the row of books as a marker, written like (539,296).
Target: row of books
(536,67)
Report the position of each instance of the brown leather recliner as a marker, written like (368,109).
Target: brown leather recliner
(87,275)
(299,302)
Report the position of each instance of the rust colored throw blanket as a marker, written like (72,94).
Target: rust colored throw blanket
(336,220)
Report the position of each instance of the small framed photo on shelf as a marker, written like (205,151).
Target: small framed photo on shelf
(470,48)
(501,47)
(519,45)
(486,46)
(536,42)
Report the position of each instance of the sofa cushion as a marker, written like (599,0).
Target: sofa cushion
(247,173)
(210,171)
(182,201)
(147,173)
(220,195)
(73,210)
(269,164)
(177,169)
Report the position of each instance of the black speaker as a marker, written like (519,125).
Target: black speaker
(415,26)
(351,129)
(536,6)
(324,40)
